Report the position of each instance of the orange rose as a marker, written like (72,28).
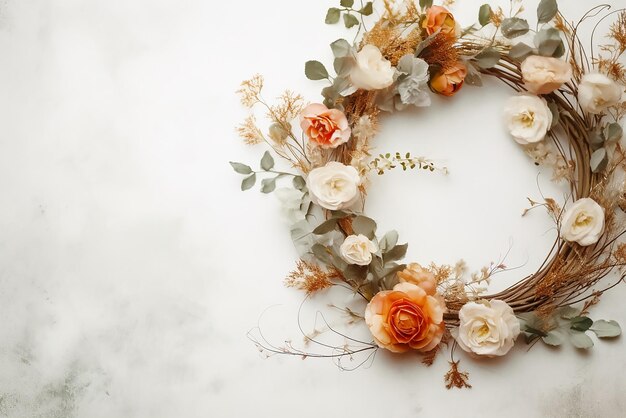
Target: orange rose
(405,318)
(450,81)
(416,274)
(439,18)
(328,128)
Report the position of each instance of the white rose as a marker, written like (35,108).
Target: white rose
(583,222)
(372,71)
(598,92)
(543,75)
(528,118)
(334,186)
(358,249)
(487,329)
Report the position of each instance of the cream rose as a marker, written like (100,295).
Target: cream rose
(598,92)
(372,71)
(583,222)
(528,118)
(358,249)
(543,75)
(487,329)
(334,186)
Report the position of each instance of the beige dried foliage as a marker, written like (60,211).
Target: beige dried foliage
(249,131)
(311,278)
(250,90)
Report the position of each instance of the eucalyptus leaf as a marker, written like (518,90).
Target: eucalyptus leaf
(299,182)
(520,51)
(376,268)
(484,14)
(355,273)
(554,338)
(368,9)
(595,139)
(341,48)
(315,70)
(325,227)
(248,182)
(599,160)
(606,329)
(488,58)
(268,185)
(580,323)
(267,162)
(332,15)
(350,20)
(241,168)
(346,3)
(425,4)
(513,27)
(549,43)
(554,109)
(613,132)
(580,340)
(546,10)
(396,253)
(568,312)
(389,240)
(323,254)
(343,65)
(364,225)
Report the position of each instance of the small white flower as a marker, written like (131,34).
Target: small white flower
(528,118)
(598,92)
(413,84)
(334,186)
(583,222)
(372,71)
(487,329)
(358,249)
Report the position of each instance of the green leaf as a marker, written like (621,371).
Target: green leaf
(396,253)
(425,4)
(549,43)
(341,48)
(513,27)
(368,9)
(268,185)
(389,241)
(364,225)
(606,329)
(484,15)
(488,58)
(580,340)
(346,3)
(546,10)
(332,16)
(315,70)
(520,51)
(595,139)
(267,162)
(599,160)
(323,254)
(350,20)
(343,66)
(556,116)
(554,338)
(326,226)
(241,168)
(248,182)
(581,323)
(299,182)
(613,132)
(568,312)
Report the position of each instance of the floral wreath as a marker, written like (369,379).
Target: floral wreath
(565,115)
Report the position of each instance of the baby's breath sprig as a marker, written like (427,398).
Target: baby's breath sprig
(387,162)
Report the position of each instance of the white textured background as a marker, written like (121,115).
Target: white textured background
(131,267)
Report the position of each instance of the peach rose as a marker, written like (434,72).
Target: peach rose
(450,81)
(326,127)
(439,18)
(416,274)
(406,318)
(543,75)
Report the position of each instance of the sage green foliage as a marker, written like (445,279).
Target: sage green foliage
(315,70)
(520,51)
(484,14)
(425,4)
(513,27)
(566,323)
(487,58)
(334,14)
(546,10)
(549,43)
(598,139)
(268,185)
(380,274)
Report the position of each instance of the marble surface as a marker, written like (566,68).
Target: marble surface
(132,267)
